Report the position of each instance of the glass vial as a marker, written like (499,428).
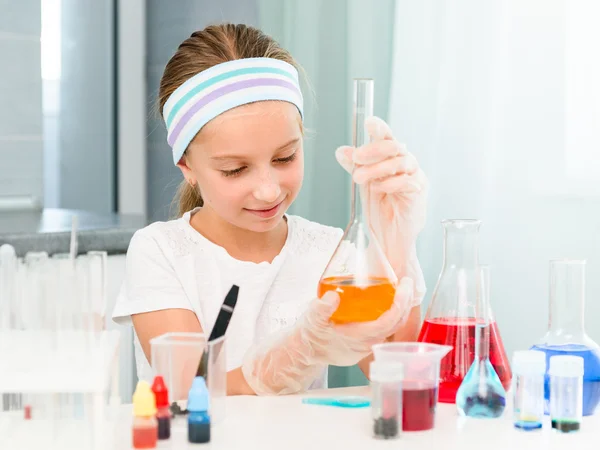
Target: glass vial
(386,404)
(566,392)
(529,368)
(359,271)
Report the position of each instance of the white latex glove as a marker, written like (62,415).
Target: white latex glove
(396,197)
(289,361)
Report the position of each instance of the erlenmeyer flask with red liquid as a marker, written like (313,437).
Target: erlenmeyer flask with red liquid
(451,317)
(359,270)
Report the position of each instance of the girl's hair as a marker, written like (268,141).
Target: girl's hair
(204,49)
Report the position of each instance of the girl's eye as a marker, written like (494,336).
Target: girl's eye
(286,159)
(234,172)
(231,173)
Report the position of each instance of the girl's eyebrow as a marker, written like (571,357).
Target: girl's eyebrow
(237,157)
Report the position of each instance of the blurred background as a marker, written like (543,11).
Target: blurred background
(499,101)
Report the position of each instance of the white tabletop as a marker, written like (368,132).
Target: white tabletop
(284,423)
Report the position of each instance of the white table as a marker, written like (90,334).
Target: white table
(284,423)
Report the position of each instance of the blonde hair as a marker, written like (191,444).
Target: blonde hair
(204,49)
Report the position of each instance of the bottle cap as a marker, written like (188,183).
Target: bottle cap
(160,392)
(198,397)
(144,403)
(531,362)
(386,371)
(566,366)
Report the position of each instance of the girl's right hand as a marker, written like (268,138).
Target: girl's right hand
(347,344)
(289,361)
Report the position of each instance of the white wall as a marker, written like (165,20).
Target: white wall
(492,97)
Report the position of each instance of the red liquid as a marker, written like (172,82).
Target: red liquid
(145,437)
(418,409)
(460,333)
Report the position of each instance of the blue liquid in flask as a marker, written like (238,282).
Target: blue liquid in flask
(591,376)
(481,393)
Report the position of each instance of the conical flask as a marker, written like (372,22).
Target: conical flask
(566,332)
(452,314)
(359,270)
(481,393)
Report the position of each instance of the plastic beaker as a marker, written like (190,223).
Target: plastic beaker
(359,270)
(452,316)
(176,357)
(421,363)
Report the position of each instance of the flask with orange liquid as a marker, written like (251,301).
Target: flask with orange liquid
(359,270)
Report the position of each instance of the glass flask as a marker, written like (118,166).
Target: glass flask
(359,270)
(566,333)
(481,393)
(451,316)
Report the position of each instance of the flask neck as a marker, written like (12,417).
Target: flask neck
(461,243)
(358,214)
(567,299)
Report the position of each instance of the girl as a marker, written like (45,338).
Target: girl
(233,109)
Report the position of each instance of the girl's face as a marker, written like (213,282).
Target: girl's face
(249,164)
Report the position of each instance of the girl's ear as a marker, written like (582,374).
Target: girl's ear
(186,171)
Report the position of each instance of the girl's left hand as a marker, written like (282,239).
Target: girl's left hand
(396,191)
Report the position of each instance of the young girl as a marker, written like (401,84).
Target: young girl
(233,109)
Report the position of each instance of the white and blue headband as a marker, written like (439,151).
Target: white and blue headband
(222,87)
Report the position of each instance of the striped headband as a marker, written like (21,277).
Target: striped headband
(222,87)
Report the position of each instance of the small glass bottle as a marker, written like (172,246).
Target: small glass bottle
(566,392)
(481,393)
(386,404)
(145,425)
(359,270)
(163,414)
(529,368)
(198,418)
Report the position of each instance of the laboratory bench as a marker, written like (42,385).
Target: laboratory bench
(49,230)
(284,422)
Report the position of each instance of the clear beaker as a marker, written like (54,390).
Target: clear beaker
(452,314)
(481,393)
(359,270)
(421,379)
(176,357)
(566,331)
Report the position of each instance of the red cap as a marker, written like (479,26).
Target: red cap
(160,392)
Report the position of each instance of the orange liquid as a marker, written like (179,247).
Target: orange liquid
(359,303)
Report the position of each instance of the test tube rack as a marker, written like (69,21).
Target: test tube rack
(59,367)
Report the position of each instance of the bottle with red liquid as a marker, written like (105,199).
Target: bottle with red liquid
(163,413)
(452,315)
(145,425)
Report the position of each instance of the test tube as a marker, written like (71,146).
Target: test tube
(529,367)
(566,392)
(386,405)
(8,269)
(97,288)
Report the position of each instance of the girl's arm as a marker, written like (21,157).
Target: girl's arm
(149,325)
(409,332)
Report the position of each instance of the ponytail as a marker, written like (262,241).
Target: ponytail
(188,197)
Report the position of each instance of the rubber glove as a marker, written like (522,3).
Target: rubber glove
(289,361)
(395,190)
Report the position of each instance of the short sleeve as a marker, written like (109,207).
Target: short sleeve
(150,281)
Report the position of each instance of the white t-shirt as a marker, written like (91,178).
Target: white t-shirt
(171,265)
